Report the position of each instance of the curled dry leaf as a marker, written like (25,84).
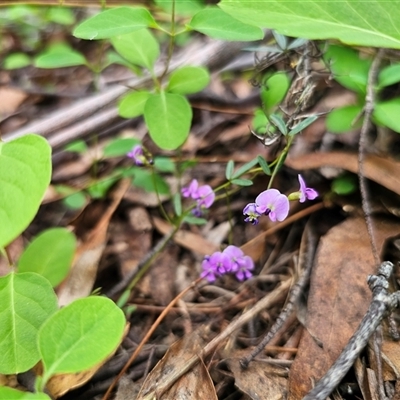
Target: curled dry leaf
(338,299)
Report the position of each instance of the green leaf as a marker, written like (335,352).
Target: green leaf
(260,121)
(80,335)
(302,125)
(75,201)
(215,23)
(190,219)
(164,164)
(229,170)
(27,300)
(177,201)
(278,121)
(389,75)
(119,147)
(16,60)
(7,393)
(113,22)
(61,15)
(187,80)
(344,185)
(25,171)
(245,168)
(168,117)
(242,182)
(145,180)
(387,114)
(274,90)
(365,23)
(99,189)
(182,7)
(50,255)
(132,105)
(77,146)
(66,57)
(348,68)
(140,47)
(264,166)
(341,119)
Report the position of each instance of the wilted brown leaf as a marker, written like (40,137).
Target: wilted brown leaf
(339,297)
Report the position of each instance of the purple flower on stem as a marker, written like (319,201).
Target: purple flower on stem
(241,264)
(137,155)
(272,203)
(306,193)
(191,190)
(215,265)
(252,215)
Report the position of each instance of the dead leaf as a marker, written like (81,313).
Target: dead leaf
(379,169)
(79,282)
(339,297)
(187,239)
(11,99)
(260,380)
(195,384)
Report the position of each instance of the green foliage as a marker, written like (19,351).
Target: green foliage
(387,113)
(59,55)
(344,185)
(52,265)
(274,90)
(187,80)
(25,170)
(80,336)
(27,300)
(149,181)
(7,393)
(343,119)
(113,22)
(16,60)
(168,117)
(389,76)
(217,24)
(139,47)
(132,105)
(119,147)
(182,7)
(350,21)
(77,146)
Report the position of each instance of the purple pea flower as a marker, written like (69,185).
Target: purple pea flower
(137,155)
(252,215)
(273,203)
(191,190)
(215,265)
(306,193)
(241,264)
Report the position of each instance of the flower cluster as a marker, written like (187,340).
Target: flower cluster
(204,196)
(140,156)
(231,260)
(273,203)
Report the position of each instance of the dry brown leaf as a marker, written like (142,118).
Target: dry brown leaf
(186,239)
(379,169)
(391,360)
(338,299)
(79,282)
(10,99)
(260,380)
(195,384)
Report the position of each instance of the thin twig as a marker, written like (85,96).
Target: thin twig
(382,303)
(368,110)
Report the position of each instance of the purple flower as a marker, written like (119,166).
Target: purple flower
(252,215)
(137,155)
(215,265)
(241,264)
(204,196)
(272,203)
(191,190)
(305,192)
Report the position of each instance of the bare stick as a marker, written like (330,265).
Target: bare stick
(382,304)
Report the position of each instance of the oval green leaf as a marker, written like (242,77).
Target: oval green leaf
(59,59)
(168,117)
(217,24)
(365,23)
(80,335)
(113,22)
(50,255)
(389,75)
(25,171)
(7,393)
(342,119)
(139,48)
(119,147)
(274,90)
(387,114)
(16,60)
(27,300)
(132,105)
(187,80)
